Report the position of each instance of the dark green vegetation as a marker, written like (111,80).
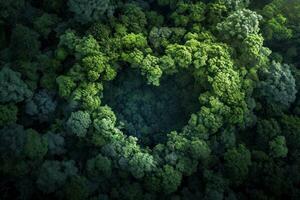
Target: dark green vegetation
(158,99)
(160,110)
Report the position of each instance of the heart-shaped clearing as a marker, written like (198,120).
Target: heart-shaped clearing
(150,112)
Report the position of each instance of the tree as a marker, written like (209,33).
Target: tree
(65,85)
(215,185)
(131,190)
(159,36)
(56,143)
(278,85)
(8,114)
(101,32)
(85,46)
(150,68)
(216,12)
(180,54)
(53,175)
(266,131)
(278,147)
(290,125)
(42,106)
(171,3)
(78,123)
(12,140)
(36,145)
(87,94)
(94,65)
(239,25)
(99,166)
(187,13)
(146,100)
(11,10)
(77,188)
(12,87)
(233,5)
(253,53)
(24,43)
(104,121)
(45,23)
(133,18)
(140,164)
(133,40)
(237,161)
(171,179)
(91,10)
(275,23)
(199,149)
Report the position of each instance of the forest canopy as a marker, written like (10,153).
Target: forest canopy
(157,99)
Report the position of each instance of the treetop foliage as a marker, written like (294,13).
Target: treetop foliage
(158,99)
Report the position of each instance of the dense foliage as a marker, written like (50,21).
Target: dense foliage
(158,99)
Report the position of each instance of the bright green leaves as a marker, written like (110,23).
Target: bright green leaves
(171,179)
(104,121)
(207,120)
(185,154)
(199,91)
(225,99)
(68,40)
(132,40)
(137,161)
(276,28)
(88,94)
(134,57)
(227,86)
(166,180)
(78,123)
(233,5)
(253,53)
(275,24)
(65,85)
(239,25)
(151,69)
(167,64)
(103,113)
(137,53)
(86,46)
(82,81)
(159,37)
(180,54)
(104,134)
(195,147)
(94,65)
(140,164)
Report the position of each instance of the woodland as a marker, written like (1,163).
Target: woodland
(145,100)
